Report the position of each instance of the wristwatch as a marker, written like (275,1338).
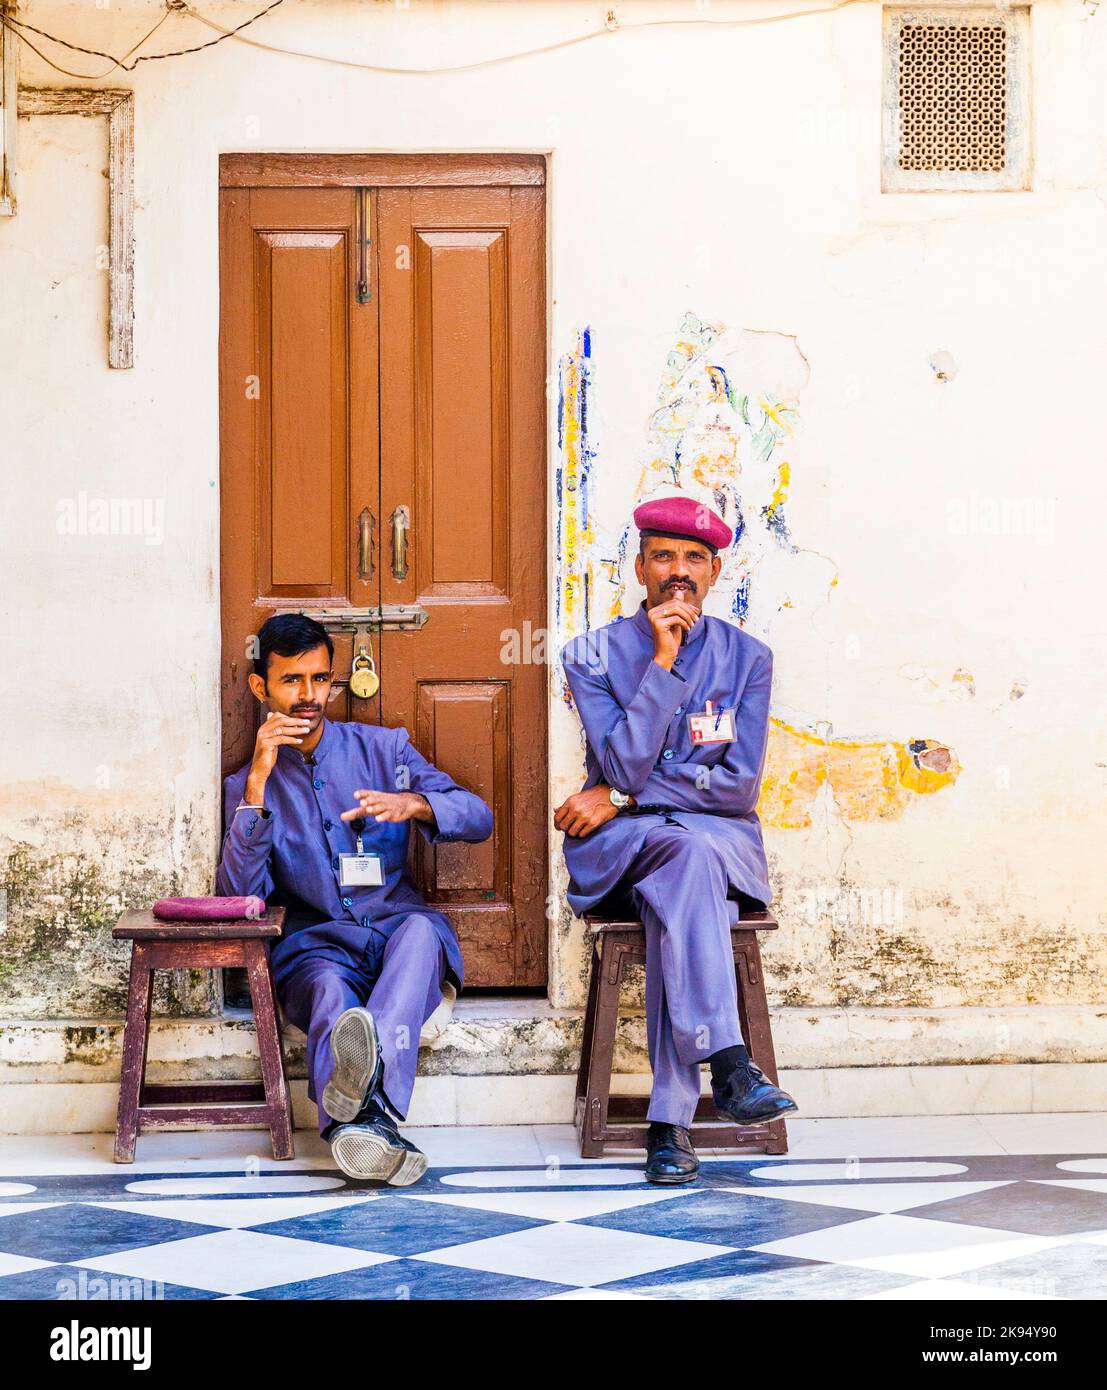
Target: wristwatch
(618,798)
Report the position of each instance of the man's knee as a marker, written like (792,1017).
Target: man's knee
(329,993)
(684,849)
(416,933)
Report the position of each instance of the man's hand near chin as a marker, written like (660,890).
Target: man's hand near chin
(585,811)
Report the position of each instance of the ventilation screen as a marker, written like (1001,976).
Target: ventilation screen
(956,103)
(953,96)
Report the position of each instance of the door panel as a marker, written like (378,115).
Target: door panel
(462,446)
(416,420)
(299,428)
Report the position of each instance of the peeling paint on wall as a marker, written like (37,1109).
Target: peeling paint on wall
(728,407)
(65,879)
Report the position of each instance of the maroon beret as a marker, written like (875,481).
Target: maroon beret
(683,516)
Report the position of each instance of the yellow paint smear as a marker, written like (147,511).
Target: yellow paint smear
(872,780)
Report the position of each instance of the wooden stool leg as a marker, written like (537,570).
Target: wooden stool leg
(753,1013)
(269,1049)
(136,1034)
(601,1050)
(589,1026)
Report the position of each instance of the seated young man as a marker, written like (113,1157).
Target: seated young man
(319,819)
(675,708)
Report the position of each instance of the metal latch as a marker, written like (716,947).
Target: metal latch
(382,617)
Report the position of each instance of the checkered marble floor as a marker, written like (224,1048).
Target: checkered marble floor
(854,1212)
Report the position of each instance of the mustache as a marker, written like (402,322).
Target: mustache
(307,709)
(689,584)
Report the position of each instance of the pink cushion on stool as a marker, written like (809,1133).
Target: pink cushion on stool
(207,909)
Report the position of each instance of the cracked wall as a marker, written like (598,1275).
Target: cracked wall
(900,393)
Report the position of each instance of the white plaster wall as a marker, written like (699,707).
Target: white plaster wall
(733,173)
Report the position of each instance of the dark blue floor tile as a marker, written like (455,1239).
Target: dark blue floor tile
(740,1263)
(725,1218)
(413,1279)
(749,1274)
(1032,1208)
(68,1284)
(74,1231)
(398,1226)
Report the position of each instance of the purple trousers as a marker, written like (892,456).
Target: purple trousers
(399,980)
(678,884)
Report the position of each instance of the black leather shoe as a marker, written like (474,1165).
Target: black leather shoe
(748,1098)
(372,1147)
(670,1157)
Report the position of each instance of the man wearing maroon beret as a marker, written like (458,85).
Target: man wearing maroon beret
(675,707)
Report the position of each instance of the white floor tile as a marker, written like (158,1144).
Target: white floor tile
(582,1255)
(484,1144)
(220,1150)
(552,1179)
(19,1264)
(889,1137)
(255,1184)
(595,1296)
(234,1213)
(952,1291)
(856,1171)
(553,1206)
(1082,1165)
(1082,1132)
(234,1261)
(871,1196)
(909,1245)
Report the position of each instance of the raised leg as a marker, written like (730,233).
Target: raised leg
(269,1050)
(136,1034)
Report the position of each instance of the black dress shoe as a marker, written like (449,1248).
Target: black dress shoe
(748,1098)
(670,1157)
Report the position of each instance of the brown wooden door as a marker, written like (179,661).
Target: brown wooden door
(411,416)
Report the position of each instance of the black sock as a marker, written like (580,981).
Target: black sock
(725,1060)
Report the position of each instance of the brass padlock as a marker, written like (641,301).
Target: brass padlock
(364,681)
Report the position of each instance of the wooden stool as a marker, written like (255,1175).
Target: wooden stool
(159,945)
(617,944)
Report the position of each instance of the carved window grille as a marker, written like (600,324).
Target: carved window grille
(955,100)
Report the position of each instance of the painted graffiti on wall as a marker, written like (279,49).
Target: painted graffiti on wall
(724,429)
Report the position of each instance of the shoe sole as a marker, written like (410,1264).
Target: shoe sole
(673,1182)
(366,1155)
(355,1049)
(374,1159)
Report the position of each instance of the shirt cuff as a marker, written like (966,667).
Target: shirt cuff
(445,822)
(250,827)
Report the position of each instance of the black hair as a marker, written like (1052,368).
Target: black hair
(289,634)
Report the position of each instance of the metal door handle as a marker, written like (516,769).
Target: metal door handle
(401,523)
(365,525)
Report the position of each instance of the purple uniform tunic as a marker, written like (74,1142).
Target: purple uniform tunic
(292,855)
(635,717)
(693,843)
(378,947)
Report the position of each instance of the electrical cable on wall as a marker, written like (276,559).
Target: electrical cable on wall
(612,25)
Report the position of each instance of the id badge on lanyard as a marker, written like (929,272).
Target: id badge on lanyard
(360,870)
(712,726)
